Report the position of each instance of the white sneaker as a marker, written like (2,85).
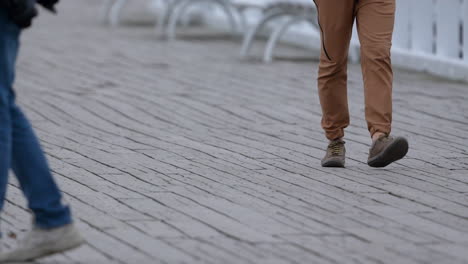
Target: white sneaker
(43,242)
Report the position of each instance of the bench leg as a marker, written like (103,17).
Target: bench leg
(183,5)
(277,34)
(163,17)
(105,11)
(174,16)
(250,35)
(115,11)
(231,14)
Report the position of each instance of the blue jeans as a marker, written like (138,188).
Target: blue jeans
(19,147)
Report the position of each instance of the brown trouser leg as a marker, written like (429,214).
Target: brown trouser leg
(375,20)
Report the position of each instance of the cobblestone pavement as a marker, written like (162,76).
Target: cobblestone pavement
(182,153)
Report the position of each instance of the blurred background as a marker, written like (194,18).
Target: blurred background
(188,131)
(429,34)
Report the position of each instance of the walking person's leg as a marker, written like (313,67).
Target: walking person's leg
(30,167)
(8,53)
(375,22)
(6,76)
(53,230)
(336,19)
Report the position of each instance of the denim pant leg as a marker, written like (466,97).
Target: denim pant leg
(9,35)
(30,166)
(5,142)
(23,151)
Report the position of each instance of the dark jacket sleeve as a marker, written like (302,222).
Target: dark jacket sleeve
(48,4)
(21,12)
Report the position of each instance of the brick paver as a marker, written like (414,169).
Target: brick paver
(182,153)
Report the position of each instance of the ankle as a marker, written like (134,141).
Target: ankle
(335,140)
(377,135)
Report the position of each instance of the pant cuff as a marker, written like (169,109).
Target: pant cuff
(334,134)
(53,219)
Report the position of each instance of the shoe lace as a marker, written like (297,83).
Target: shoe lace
(336,148)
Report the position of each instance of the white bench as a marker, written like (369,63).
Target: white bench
(172,11)
(287,13)
(112,10)
(176,9)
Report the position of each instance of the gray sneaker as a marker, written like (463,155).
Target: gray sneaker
(335,156)
(387,150)
(44,242)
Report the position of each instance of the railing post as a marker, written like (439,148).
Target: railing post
(447,24)
(422,21)
(465,29)
(401,35)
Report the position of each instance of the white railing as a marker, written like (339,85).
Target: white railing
(432,36)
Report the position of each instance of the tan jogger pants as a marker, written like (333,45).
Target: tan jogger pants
(375,20)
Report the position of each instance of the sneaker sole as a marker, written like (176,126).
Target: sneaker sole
(69,245)
(65,248)
(333,164)
(395,151)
